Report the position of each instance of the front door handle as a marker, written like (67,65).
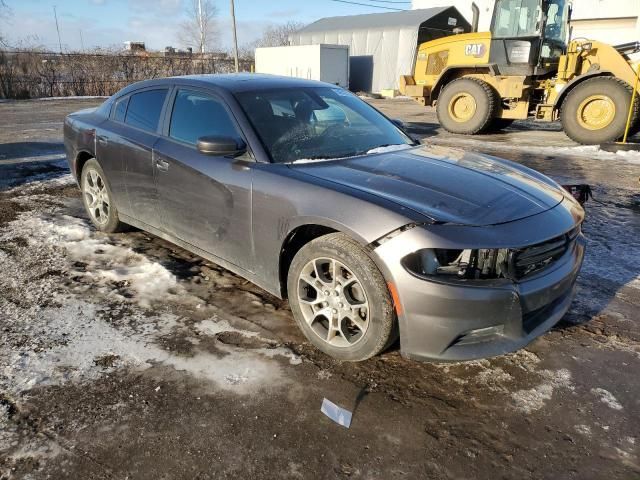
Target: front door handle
(102,140)
(162,165)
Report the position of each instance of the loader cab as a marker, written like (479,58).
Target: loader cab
(529,36)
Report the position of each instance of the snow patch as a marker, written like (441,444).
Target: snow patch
(583,430)
(533,399)
(91,255)
(607,398)
(590,151)
(214,327)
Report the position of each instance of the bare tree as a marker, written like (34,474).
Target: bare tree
(278,35)
(272,36)
(199,29)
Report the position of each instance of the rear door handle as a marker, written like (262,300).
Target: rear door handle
(102,140)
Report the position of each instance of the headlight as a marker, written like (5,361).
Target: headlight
(459,265)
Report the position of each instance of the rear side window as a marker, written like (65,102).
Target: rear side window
(197,115)
(144,109)
(121,109)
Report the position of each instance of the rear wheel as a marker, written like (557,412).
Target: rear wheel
(467,106)
(97,198)
(596,111)
(340,299)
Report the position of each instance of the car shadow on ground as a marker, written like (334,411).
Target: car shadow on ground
(14,174)
(17,150)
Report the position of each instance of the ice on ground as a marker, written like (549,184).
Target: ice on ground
(607,398)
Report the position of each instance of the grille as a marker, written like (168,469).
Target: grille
(436,62)
(529,260)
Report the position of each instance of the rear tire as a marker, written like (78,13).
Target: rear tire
(467,106)
(98,199)
(340,300)
(596,111)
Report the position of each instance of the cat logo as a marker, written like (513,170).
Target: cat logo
(474,50)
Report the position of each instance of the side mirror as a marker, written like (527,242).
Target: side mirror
(221,146)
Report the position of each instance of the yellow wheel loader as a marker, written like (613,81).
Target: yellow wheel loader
(524,67)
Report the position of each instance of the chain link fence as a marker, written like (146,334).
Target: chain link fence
(35,74)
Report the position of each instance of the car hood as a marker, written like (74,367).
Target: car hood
(445,184)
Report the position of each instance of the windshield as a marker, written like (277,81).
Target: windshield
(314,123)
(516,18)
(557,19)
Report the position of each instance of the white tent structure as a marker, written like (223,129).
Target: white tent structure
(382,46)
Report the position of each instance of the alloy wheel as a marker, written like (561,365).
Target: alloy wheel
(96,197)
(333,302)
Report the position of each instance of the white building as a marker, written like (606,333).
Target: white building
(610,21)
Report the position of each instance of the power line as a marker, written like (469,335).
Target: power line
(369,5)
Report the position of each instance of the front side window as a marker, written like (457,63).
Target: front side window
(144,109)
(516,18)
(306,123)
(196,115)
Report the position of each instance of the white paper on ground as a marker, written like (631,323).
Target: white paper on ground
(336,413)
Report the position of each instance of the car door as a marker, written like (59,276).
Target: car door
(205,200)
(135,145)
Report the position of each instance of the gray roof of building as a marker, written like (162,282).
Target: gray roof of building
(408,18)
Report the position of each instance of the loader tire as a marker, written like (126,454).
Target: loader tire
(467,106)
(596,111)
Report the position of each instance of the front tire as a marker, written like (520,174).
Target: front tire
(467,106)
(340,300)
(596,111)
(98,199)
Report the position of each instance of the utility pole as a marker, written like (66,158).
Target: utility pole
(235,37)
(81,41)
(57,28)
(201,22)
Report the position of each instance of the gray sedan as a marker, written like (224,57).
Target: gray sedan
(315,196)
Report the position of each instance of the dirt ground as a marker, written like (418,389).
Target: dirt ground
(122,356)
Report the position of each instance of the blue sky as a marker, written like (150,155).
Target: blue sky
(110,22)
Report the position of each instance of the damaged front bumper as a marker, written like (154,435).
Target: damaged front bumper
(451,322)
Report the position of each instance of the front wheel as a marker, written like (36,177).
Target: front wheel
(340,299)
(596,111)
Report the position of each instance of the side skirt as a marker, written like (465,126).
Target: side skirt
(273,290)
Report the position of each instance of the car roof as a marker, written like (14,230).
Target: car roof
(232,82)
